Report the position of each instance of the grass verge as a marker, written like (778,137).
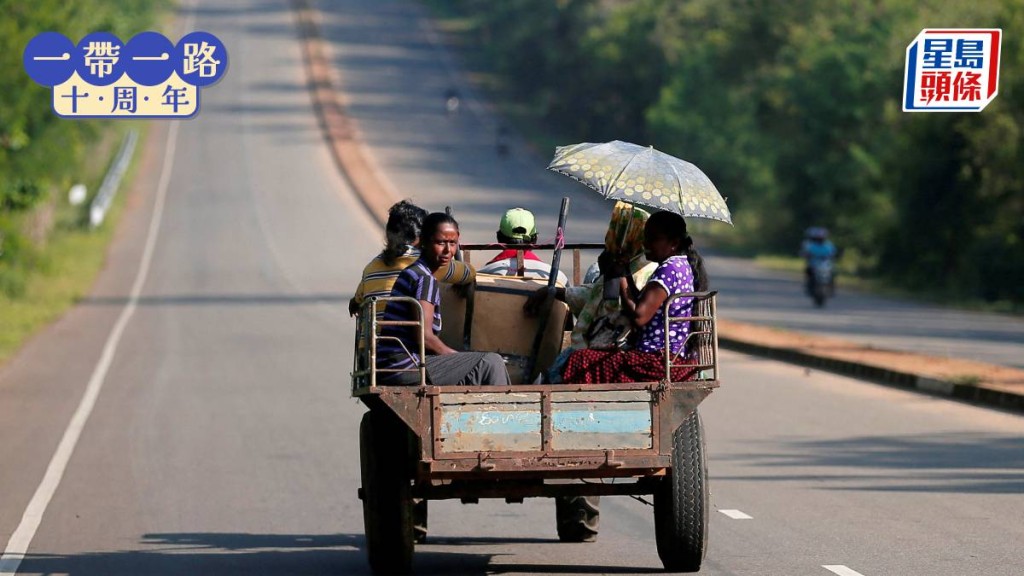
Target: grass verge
(72,255)
(58,256)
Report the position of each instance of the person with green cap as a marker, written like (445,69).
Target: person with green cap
(517,231)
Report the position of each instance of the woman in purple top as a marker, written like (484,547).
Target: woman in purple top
(680,270)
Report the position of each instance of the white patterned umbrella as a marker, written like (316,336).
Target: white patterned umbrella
(642,175)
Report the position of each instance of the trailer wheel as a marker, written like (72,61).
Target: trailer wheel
(387,500)
(681,501)
(577,518)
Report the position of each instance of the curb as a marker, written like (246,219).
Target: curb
(340,131)
(908,380)
(377,195)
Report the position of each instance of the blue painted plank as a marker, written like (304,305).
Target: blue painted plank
(605,422)
(490,422)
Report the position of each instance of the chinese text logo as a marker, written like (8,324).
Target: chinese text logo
(146,77)
(952,70)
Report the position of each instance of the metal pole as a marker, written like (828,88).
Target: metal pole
(545,309)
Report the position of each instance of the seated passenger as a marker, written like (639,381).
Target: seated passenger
(680,269)
(624,240)
(518,228)
(402,249)
(439,240)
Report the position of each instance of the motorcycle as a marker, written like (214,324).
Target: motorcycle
(452,102)
(820,281)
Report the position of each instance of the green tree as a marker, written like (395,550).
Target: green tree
(794,111)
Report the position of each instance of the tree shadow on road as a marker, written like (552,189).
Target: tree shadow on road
(229,554)
(221,299)
(238,554)
(954,462)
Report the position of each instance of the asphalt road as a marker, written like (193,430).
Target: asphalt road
(222,437)
(395,71)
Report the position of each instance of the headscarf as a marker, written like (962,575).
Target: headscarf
(626,230)
(625,236)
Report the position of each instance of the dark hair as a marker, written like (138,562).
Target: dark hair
(434,221)
(502,239)
(403,228)
(673,226)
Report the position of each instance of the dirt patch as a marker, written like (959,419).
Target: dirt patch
(952,370)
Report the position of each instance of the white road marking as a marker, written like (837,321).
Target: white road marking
(736,515)
(22,537)
(841,570)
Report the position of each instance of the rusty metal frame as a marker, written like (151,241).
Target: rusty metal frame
(513,489)
(437,452)
(542,246)
(420,409)
(699,300)
(368,310)
(519,474)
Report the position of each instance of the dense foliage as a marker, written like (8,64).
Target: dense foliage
(38,150)
(793,109)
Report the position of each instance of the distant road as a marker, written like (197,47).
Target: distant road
(395,74)
(224,438)
(767,297)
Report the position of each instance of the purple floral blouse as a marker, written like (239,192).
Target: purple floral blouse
(675,276)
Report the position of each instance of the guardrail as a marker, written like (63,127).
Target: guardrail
(101,203)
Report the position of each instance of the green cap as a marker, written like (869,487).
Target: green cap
(518,224)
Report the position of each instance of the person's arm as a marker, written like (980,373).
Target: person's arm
(577,297)
(655,293)
(533,302)
(431,342)
(456,272)
(652,298)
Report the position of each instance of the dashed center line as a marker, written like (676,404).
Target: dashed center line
(841,570)
(736,515)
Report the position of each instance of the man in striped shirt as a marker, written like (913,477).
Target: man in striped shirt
(401,250)
(398,346)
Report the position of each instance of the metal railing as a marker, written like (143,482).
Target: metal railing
(575,247)
(701,340)
(101,203)
(698,352)
(368,328)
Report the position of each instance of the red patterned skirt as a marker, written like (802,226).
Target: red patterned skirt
(606,366)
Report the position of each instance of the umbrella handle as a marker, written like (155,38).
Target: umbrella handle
(545,308)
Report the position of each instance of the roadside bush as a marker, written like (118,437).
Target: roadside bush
(793,110)
(40,152)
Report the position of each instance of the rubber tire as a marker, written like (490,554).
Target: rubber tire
(681,501)
(577,518)
(387,499)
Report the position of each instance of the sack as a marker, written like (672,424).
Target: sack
(609,332)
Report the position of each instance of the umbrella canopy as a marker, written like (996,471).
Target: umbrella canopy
(642,175)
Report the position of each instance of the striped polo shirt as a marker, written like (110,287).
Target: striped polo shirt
(417,282)
(379,278)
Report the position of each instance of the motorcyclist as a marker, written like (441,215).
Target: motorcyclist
(451,101)
(817,249)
